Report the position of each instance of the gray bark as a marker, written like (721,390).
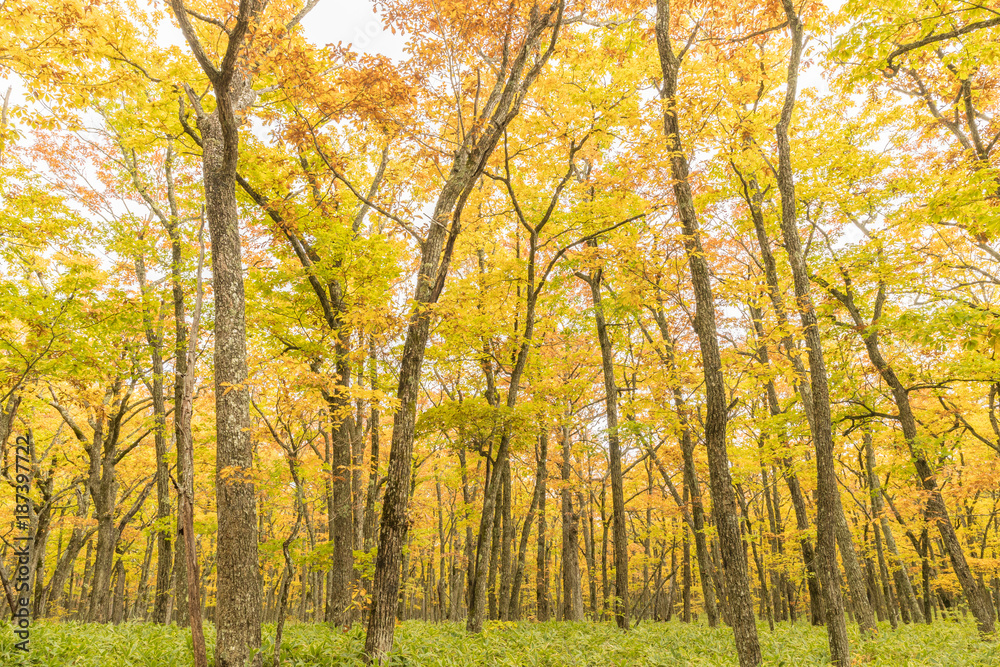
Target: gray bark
(501,106)
(724,507)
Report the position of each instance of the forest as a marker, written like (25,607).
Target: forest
(571,332)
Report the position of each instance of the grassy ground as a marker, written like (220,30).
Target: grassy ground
(947,644)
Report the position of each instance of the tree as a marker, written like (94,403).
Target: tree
(724,508)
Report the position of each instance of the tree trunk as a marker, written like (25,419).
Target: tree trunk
(828,495)
(509,529)
(542,556)
(522,551)
(724,507)
(65,564)
(342,526)
(286,581)
(614,456)
(572,597)
(238,578)
(502,106)
(154,338)
(238,584)
(371,518)
(118,601)
(855,578)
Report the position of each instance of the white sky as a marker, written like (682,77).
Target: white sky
(351,22)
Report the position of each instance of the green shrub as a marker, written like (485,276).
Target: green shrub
(525,644)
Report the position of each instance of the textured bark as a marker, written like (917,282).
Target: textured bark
(286,581)
(501,106)
(614,457)
(186,563)
(788,472)
(374,424)
(541,555)
(506,564)
(572,601)
(102,483)
(88,564)
(8,411)
(238,597)
(692,489)
(118,601)
(154,338)
(855,578)
(537,499)
(182,418)
(342,526)
(65,564)
(724,507)
(494,551)
(828,495)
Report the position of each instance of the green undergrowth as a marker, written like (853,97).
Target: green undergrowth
(945,644)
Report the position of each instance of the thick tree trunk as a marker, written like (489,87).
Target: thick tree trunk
(339,596)
(724,507)
(238,584)
(828,495)
(107,540)
(238,579)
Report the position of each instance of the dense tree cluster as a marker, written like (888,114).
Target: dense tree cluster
(630,311)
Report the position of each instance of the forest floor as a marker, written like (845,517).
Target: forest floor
(524,644)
